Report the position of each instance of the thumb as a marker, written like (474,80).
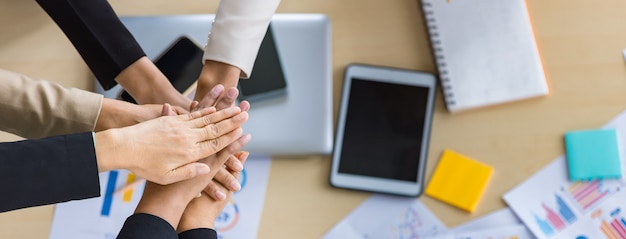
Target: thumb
(167,110)
(188,171)
(193,105)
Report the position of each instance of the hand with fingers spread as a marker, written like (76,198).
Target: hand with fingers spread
(165,150)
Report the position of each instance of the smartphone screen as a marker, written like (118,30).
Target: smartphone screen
(267,79)
(181,63)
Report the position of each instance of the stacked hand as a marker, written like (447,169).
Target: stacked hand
(165,149)
(169,201)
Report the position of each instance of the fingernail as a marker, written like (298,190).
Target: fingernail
(220,195)
(203,170)
(237,166)
(231,93)
(246,138)
(217,90)
(241,116)
(235,186)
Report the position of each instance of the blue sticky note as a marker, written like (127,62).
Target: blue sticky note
(593,154)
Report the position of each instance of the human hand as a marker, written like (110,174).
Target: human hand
(118,114)
(169,201)
(217,73)
(164,150)
(218,97)
(202,211)
(223,176)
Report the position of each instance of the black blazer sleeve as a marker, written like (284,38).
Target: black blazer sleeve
(204,233)
(143,225)
(47,171)
(101,39)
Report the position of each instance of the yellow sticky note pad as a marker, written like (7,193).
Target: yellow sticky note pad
(459,180)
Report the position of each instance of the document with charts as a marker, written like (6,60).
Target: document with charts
(503,232)
(104,216)
(551,206)
(384,216)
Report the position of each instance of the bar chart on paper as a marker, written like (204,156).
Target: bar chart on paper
(103,217)
(587,194)
(100,217)
(554,216)
(611,223)
(605,222)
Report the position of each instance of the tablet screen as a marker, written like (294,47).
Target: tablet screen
(383,130)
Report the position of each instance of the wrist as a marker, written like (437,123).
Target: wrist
(107,150)
(158,201)
(117,114)
(197,216)
(213,73)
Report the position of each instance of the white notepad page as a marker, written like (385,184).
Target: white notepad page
(485,52)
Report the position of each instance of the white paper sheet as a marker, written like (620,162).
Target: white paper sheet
(501,218)
(553,207)
(505,232)
(100,218)
(383,216)
(240,219)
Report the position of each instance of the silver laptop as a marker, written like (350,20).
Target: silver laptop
(298,123)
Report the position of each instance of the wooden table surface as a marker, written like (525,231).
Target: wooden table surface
(580,43)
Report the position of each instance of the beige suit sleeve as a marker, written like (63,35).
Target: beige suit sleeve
(237,32)
(34,108)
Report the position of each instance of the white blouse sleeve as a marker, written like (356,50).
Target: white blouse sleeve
(237,32)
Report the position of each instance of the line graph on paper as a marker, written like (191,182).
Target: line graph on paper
(412,224)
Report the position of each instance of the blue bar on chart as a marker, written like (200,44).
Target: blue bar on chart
(108,194)
(555,220)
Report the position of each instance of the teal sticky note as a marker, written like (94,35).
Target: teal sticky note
(593,154)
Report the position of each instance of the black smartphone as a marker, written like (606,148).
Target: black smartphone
(181,63)
(267,79)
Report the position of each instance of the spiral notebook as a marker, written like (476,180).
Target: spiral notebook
(485,52)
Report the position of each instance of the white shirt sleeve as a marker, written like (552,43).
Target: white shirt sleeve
(238,31)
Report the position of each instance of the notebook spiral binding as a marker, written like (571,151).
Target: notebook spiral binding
(438,52)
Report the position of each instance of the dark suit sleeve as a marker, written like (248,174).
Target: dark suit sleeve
(47,171)
(204,233)
(98,34)
(143,225)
